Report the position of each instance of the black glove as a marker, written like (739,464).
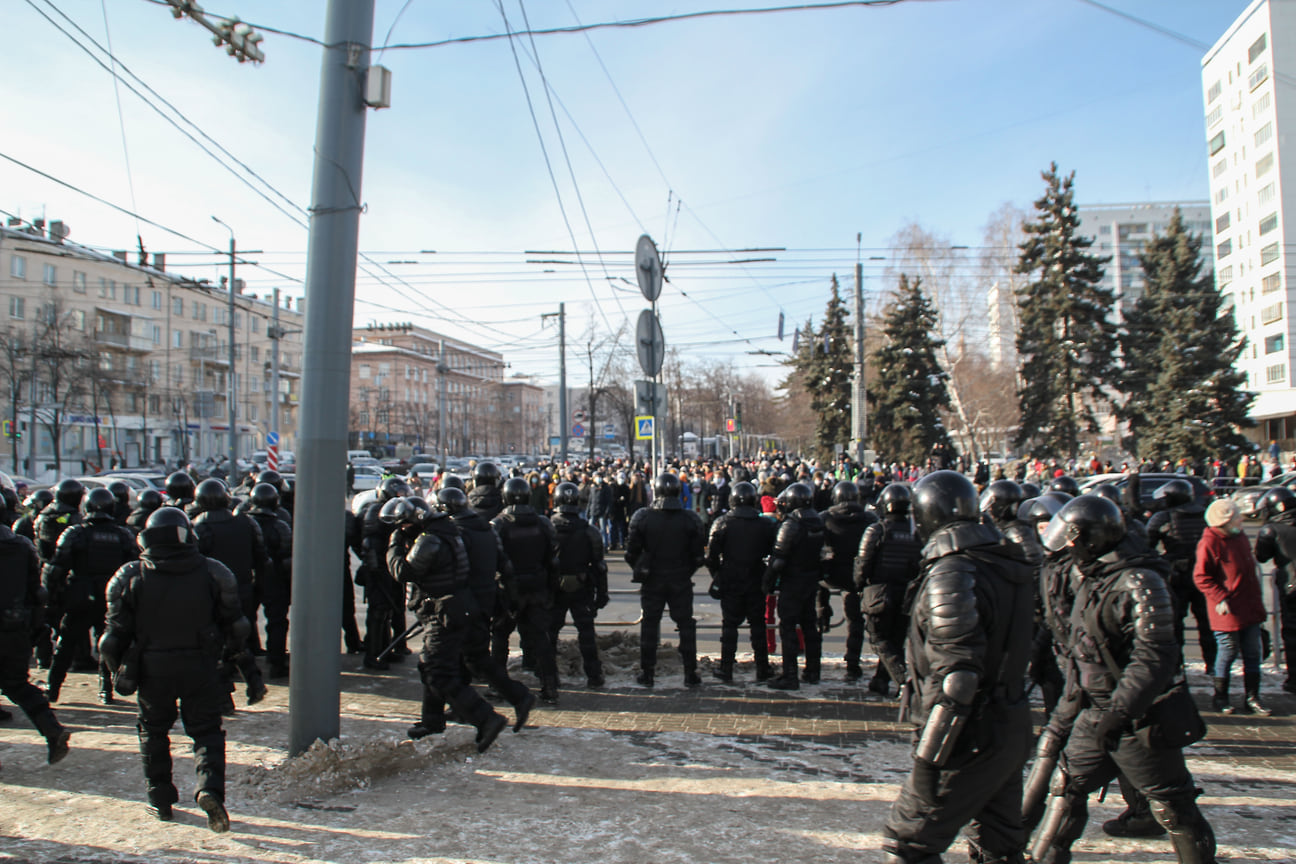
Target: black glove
(714,590)
(600,600)
(1109,727)
(825,617)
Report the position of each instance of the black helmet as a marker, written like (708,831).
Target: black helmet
(121,491)
(1039,509)
(667,485)
(274,478)
(795,497)
(166,526)
(517,491)
(1174,493)
(1000,501)
(1090,525)
(180,486)
(149,500)
(100,501)
(1064,484)
(1108,491)
(486,474)
(393,487)
(845,492)
(212,495)
(895,499)
(943,497)
(39,500)
(69,492)
(1277,500)
(1030,490)
(452,500)
(743,494)
(1058,495)
(265,497)
(452,481)
(567,498)
(397,511)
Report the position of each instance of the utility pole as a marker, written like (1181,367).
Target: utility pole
(859,395)
(314,696)
(231,391)
(442,368)
(274,366)
(563,419)
(32,434)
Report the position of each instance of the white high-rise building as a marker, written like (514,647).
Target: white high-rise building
(1120,231)
(1249,118)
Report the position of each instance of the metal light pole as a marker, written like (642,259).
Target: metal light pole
(232,393)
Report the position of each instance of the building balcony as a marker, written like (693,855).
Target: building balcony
(123,340)
(218,354)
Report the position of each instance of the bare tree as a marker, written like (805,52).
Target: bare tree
(63,357)
(15,367)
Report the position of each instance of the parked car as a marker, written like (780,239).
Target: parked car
(366,477)
(424,471)
(1150,483)
(1248,497)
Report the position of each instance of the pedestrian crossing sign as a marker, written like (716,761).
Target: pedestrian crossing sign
(643,428)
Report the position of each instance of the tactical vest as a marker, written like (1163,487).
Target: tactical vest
(899,556)
(526,545)
(483,555)
(574,552)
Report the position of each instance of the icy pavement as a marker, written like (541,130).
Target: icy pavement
(726,773)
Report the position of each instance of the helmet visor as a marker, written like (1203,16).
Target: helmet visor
(1059,534)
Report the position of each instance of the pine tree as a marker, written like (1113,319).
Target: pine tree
(1184,398)
(906,399)
(1066,341)
(828,378)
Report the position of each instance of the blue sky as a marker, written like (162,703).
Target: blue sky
(793,130)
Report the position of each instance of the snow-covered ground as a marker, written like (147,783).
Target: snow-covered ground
(587,783)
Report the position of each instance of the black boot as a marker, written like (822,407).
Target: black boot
(523,710)
(691,678)
(1131,824)
(724,672)
(1220,701)
(54,685)
(788,680)
(549,690)
(489,731)
(217,819)
(1251,685)
(105,686)
(645,677)
(56,737)
(853,671)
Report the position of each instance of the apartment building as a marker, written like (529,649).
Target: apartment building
(130,364)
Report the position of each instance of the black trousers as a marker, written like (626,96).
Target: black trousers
(441,663)
(980,787)
(580,605)
(796,608)
(654,598)
(887,625)
(15,652)
(739,605)
(276,597)
(84,614)
(191,691)
(384,595)
(1288,613)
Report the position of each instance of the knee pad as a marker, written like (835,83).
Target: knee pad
(1176,812)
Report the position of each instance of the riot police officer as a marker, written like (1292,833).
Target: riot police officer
(664,548)
(1177,527)
(236,542)
(969,639)
(382,593)
(148,501)
(1000,502)
(276,589)
(794,572)
(1122,657)
(180,490)
(485,496)
(844,523)
(531,544)
(1277,542)
(427,554)
(885,568)
(35,503)
(582,578)
(486,561)
(171,615)
(85,559)
(59,516)
(22,602)
(122,494)
(740,541)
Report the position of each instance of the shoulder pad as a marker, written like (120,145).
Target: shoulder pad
(951,598)
(1150,603)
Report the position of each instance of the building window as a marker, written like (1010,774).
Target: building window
(131,294)
(1223,250)
(1214,92)
(177,307)
(1226,275)
(1222,223)
(1220,167)
(177,338)
(51,275)
(1261,105)
(1217,143)
(364,370)
(1264,133)
(79,319)
(1215,116)
(155,404)
(256,354)
(17,266)
(1264,164)
(256,324)
(1269,254)
(1275,343)
(1268,223)
(155,300)
(1271,313)
(1271,283)
(17,308)
(1276,374)
(1257,48)
(1258,77)
(1266,194)
(78,282)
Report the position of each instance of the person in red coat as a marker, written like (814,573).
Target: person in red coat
(1226,574)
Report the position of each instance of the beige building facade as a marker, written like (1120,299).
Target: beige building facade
(129,364)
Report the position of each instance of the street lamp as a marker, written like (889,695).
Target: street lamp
(230,397)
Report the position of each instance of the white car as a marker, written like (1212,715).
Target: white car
(366,477)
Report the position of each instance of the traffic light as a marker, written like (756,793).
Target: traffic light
(738,415)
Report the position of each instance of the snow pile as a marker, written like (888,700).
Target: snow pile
(341,766)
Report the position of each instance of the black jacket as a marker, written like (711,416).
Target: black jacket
(845,525)
(973,611)
(486,556)
(1277,542)
(486,500)
(20,579)
(889,553)
(740,541)
(435,564)
(277,536)
(665,542)
(86,557)
(50,525)
(531,544)
(795,561)
(236,542)
(580,553)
